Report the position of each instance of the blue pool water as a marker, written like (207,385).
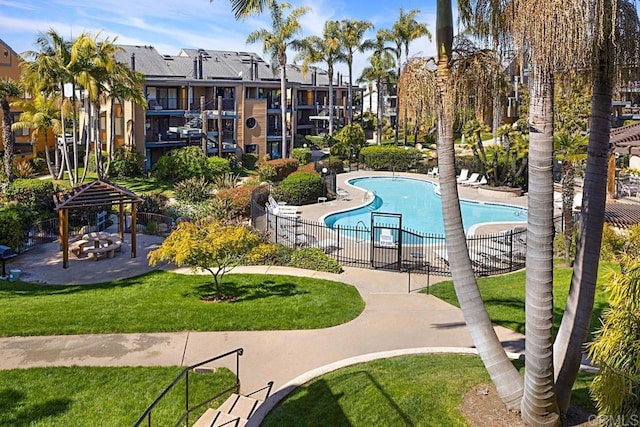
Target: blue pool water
(419,205)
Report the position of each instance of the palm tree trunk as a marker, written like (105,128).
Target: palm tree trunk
(47,156)
(74,132)
(350,94)
(283,106)
(539,405)
(568,182)
(506,378)
(577,315)
(97,145)
(379,113)
(330,100)
(7,140)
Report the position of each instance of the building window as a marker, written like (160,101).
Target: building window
(251,148)
(251,123)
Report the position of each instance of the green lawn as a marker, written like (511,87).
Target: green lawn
(423,390)
(504,296)
(89,396)
(161,302)
(144,185)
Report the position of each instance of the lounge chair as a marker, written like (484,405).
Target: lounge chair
(433,172)
(464,175)
(288,211)
(473,178)
(343,194)
(482,181)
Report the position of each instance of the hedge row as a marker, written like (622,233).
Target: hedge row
(379,157)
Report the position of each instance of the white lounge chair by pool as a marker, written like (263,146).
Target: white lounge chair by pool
(473,178)
(433,172)
(482,181)
(464,175)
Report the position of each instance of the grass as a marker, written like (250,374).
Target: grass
(504,296)
(423,390)
(163,302)
(144,185)
(90,396)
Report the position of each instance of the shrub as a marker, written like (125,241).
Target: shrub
(39,164)
(309,167)
(269,254)
(300,187)
(125,164)
(239,199)
(24,169)
(188,162)
(616,349)
(333,164)
(91,165)
(227,180)
(303,155)
(15,221)
(266,172)
(193,190)
(314,259)
(35,194)
(154,203)
(218,166)
(390,157)
(249,160)
(282,168)
(190,210)
(349,139)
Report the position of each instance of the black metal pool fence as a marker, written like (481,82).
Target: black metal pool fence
(388,245)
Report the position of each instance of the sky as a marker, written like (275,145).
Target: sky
(172,25)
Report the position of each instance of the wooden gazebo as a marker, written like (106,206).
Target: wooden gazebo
(97,193)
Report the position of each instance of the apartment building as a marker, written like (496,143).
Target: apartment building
(232,98)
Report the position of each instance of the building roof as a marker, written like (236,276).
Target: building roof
(96,193)
(626,139)
(216,65)
(622,215)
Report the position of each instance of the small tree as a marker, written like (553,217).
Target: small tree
(616,349)
(208,245)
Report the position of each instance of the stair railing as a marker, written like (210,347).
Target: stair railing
(147,415)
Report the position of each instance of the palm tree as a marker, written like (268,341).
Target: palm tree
(405,30)
(327,49)
(9,89)
(606,54)
(40,114)
(379,70)
(506,378)
(570,149)
(275,43)
(48,72)
(351,34)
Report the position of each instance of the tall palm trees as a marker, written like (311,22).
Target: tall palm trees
(276,42)
(9,89)
(327,49)
(405,30)
(507,380)
(351,35)
(380,69)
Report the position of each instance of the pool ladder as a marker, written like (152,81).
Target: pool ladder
(365,230)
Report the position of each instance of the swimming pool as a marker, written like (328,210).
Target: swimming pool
(419,205)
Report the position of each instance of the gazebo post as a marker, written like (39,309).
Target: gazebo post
(121,221)
(133,229)
(63,215)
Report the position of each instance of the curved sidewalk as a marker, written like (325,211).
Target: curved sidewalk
(392,319)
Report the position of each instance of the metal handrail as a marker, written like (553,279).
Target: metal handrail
(185,373)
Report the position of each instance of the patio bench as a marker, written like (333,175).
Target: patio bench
(77,247)
(109,250)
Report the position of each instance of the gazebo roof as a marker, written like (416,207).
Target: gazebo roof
(97,193)
(626,139)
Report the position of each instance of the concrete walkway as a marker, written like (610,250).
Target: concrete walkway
(393,319)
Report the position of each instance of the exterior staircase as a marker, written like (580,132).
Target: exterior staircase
(234,412)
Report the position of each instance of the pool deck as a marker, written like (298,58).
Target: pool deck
(358,197)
